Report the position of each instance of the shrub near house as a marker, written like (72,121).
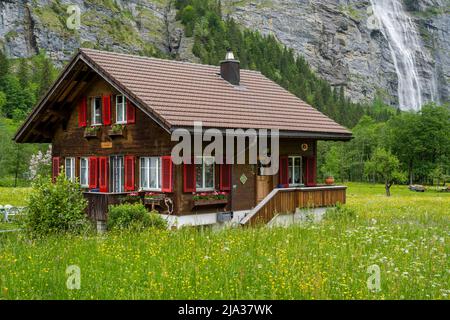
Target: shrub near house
(133,216)
(57,207)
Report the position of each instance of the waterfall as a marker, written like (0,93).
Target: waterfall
(406,49)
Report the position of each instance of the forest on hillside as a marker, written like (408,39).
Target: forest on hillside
(420,142)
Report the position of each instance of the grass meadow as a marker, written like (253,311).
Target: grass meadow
(406,236)
(14,196)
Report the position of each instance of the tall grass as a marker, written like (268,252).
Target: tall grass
(14,196)
(406,236)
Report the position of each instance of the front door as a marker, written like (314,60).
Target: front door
(264,185)
(117,174)
(244,187)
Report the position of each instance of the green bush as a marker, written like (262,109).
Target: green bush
(133,216)
(340,212)
(56,208)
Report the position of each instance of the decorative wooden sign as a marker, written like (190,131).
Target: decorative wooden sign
(243,178)
(106,145)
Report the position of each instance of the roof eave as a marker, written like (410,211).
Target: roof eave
(325,136)
(19,133)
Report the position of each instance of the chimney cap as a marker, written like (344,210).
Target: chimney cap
(229,55)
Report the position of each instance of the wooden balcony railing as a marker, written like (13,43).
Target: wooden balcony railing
(98,204)
(286,201)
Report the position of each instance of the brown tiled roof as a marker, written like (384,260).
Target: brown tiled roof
(181,93)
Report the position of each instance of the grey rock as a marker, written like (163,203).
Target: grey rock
(333,35)
(338,41)
(126,26)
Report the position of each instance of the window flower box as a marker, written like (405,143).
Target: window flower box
(132,198)
(151,198)
(117,130)
(200,203)
(91,132)
(210,199)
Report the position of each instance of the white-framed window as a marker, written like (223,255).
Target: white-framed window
(117,174)
(96,111)
(205,174)
(295,171)
(121,110)
(70,169)
(84,172)
(150,173)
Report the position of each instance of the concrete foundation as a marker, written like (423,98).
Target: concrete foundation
(300,216)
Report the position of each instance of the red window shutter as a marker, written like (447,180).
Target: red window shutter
(56,163)
(225,177)
(190,180)
(103,174)
(93,173)
(284,172)
(107,110)
(166,174)
(311,168)
(129,173)
(82,112)
(131,113)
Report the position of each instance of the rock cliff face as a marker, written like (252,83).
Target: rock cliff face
(343,41)
(338,37)
(136,26)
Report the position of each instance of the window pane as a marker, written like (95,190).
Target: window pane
(119,113)
(158,170)
(144,173)
(70,170)
(121,175)
(209,175)
(297,171)
(120,109)
(83,172)
(154,173)
(199,172)
(97,111)
(291,179)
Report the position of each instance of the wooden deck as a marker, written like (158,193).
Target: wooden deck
(290,199)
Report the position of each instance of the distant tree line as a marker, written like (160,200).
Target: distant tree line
(22,83)
(419,140)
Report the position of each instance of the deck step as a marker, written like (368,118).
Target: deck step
(288,200)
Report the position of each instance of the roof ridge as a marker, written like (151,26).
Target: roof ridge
(200,65)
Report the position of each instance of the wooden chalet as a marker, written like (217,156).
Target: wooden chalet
(109,118)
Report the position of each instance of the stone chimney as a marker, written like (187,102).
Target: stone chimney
(229,69)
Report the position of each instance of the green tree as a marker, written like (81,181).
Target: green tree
(16,99)
(4,68)
(385,167)
(438,175)
(421,140)
(2,101)
(23,73)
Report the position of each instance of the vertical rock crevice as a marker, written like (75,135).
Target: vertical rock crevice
(30,35)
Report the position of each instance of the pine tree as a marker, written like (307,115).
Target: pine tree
(23,73)
(4,68)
